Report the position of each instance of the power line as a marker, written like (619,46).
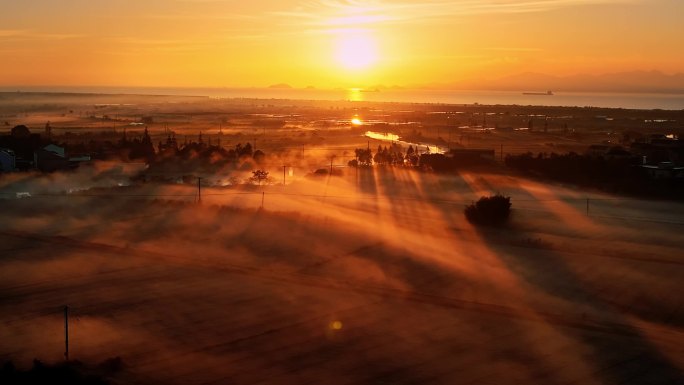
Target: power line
(66,332)
(358,196)
(579,202)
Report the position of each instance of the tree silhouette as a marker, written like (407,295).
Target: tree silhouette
(364,156)
(492,210)
(259,176)
(259,156)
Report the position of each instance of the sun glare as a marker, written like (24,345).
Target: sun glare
(356,50)
(356,121)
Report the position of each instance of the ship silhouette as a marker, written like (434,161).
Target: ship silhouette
(547,93)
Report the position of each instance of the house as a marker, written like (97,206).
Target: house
(660,150)
(22,150)
(8,160)
(75,161)
(664,170)
(56,150)
(23,144)
(51,158)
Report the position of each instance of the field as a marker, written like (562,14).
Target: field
(372,276)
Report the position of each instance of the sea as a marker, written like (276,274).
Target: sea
(644,101)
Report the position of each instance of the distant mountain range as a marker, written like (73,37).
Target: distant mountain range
(636,81)
(280,86)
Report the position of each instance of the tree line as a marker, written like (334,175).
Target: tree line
(620,175)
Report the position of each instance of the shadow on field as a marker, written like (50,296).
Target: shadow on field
(615,358)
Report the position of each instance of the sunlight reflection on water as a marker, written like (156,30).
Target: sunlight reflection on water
(394,138)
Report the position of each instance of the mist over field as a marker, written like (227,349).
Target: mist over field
(327,273)
(357,279)
(342,192)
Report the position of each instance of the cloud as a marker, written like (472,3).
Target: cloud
(512,49)
(17,34)
(202,16)
(7,33)
(351,12)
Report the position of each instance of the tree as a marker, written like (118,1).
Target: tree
(143,148)
(259,156)
(492,210)
(364,156)
(259,176)
(247,150)
(20,132)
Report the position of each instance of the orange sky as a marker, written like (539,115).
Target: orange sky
(330,43)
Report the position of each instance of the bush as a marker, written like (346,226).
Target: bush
(492,210)
(65,373)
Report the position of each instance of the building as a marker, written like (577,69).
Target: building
(471,154)
(8,160)
(455,158)
(23,144)
(664,170)
(660,150)
(61,151)
(51,158)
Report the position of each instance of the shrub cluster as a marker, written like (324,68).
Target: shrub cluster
(492,210)
(65,373)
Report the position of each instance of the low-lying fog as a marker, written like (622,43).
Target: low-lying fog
(370,277)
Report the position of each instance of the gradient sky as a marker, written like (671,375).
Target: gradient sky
(330,43)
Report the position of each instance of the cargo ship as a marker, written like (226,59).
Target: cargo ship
(547,93)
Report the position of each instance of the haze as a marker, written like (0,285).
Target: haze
(337,268)
(225,43)
(341,192)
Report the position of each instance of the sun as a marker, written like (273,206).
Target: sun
(356,50)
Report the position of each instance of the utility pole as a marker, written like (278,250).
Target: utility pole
(199,189)
(331,163)
(66,332)
(284,167)
(587,206)
(501,153)
(449,138)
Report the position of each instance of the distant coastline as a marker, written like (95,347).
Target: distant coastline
(645,101)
